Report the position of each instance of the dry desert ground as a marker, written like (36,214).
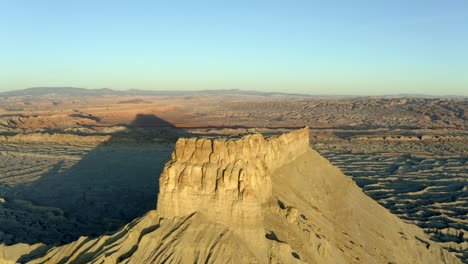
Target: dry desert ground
(73,166)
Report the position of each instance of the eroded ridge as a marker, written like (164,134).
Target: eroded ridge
(211,175)
(251,200)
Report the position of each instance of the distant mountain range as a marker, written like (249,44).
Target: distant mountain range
(83,92)
(80,92)
(411,95)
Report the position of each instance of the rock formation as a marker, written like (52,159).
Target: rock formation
(252,200)
(227,180)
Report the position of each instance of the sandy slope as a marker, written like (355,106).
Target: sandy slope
(313,214)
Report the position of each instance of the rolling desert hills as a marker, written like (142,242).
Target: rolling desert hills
(251,200)
(80,172)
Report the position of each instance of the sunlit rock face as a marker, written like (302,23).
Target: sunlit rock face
(205,174)
(227,180)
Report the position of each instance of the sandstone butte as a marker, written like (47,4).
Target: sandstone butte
(251,200)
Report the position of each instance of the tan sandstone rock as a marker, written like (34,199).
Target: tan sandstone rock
(253,200)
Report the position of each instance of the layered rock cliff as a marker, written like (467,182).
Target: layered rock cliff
(204,172)
(253,200)
(227,180)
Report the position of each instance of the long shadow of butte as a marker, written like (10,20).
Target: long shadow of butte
(111,185)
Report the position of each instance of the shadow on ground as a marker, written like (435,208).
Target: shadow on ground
(111,185)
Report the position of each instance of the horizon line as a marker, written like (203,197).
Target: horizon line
(246,90)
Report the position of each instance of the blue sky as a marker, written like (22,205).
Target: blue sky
(320,47)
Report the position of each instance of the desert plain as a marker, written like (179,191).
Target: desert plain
(87,162)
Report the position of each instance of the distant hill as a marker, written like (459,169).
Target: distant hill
(134,101)
(83,92)
(62,91)
(410,95)
(55,92)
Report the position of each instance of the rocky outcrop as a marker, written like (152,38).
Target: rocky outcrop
(254,200)
(205,171)
(227,180)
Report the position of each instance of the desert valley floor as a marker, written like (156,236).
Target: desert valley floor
(72,167)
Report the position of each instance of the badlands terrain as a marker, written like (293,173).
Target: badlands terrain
(80,178)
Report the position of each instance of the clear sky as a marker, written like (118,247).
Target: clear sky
(318,47)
